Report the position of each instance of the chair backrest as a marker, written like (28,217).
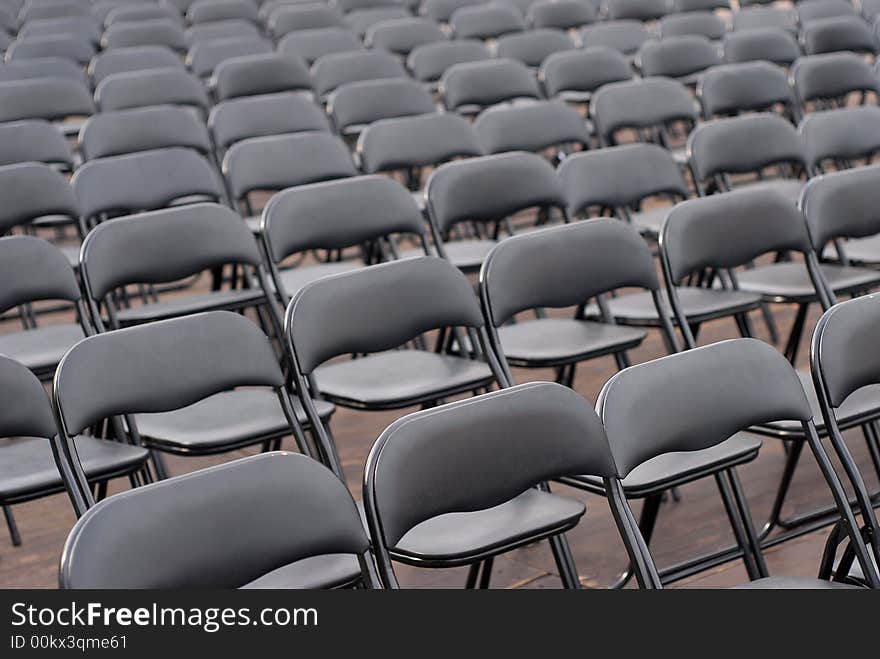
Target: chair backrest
(220,527)
(639,10)
(832,75)
(32,270)
(226,29)
(485,21)
(156,32)
(34,140)
(729,230)
(430,61)
(348,6)
(143,181)
(33,190)
(428,139)
(250,75)
(135,89)
(312,44)
(743,144)
(643,103)
(378,308)
(142,129)
(164,246)
(133,13)
(564,266)
(52,45)
(357,104)
(826,35)
(440,11)
(533,47)
(841,205)
(34,11)
(161,366)
(83,28)
(561,14)
(282,161)
(702,23)
(676,57)
(620,177)
(26,410)
(303,17)
(207,11)
(487,83)
(203,58)
(845,133)
(42,67)
(402,35)
(811,10)
(332,71)
(491,188)
(773,44)
(478,453)
(624,36)
(744,87)
(44,98)
(267,114)
(750,18)
(531,127)
(583,71)
(361,20)
(136,58)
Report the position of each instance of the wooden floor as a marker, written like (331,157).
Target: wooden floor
(695,524)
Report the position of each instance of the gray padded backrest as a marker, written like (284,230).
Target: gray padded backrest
(361,103)
(283,161)
(261,74)
(845,345)
(767,43)
(137,58)
(731,229)
(157,32)
(810,10)
(143,181)
(620,177)
(487,83)
(700,5)
(825,35)
(430,61)
(26,411)
(743,144)
(132,13)
(441,11)
(832,75)
(677,56)
(378,308)
(561,14)
(32,190)
(84,28)
(33,141)
(303,17)
(402,35)
(532,47)
(221,30)
(34,11)
(532,127)
(32,269)
(42,67)
(427,139)
(204,58)
(751,18)
(486,21)
(747,86)
(491,188)
(640,10)
(623,36)
(312,44)
(481,452)
(268,114)
(348,6)
(44,98)
(842,205)
(206,11)
(583,70)
(697,399)
(331,71)
(151,87)
(703,23)
(337,214)
(848,133)
(162,366)
(67,46)
(641,103)
(164,246)
(141,129)
(564,266)
(220,527)
(361,20)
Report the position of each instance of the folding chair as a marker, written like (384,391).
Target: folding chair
(506,444)
(204,58)
(533,47)
(333,71)
(136,89)
(535,127)
(618,180)
(751,18)
(682,58)
(403,35)
(561,267)
(440,11)
(485,21)
(367,213)
(841,136)
(42,67)
(312,44)
(233,28)
(472,87)
(207,11)
(697,23)
(370,312)
(574,76)
(54,45)
(624,36)
(849,33)
(126,60)
(251,75)
(560,14)
(811,10)
(361,20)
(733,89)
(483,194)
(83,28)
(294,17)
(776,45)
(747,144)
(827,80)
(638,10)
(429,62)
(355,105)
(157,32)
(743,382)
(34,140)
(137,12)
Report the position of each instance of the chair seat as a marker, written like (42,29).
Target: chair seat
(295,279)
(189,304)
(699,304)
(859,250)
(327,571)
(458,538)
(790,281)
(670,469)
(792,583)
(390,380)
(650,221)
(222,422)
(554,341)
(42,348)
(27,468)
(468,254)
(790,188)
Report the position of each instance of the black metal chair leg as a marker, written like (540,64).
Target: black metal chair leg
(486,575)
(13,527)
(797,330)
(159,464)
(473,575)
(647,521)
(742,505)
(770,322)
(784,484)
(564,562)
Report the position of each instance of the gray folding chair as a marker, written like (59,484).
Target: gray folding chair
(682,58)
(138,58)
(751,18)
(478,197)
(471,87)
(561,14)
(776,45)
(574,76)
(251,75)
(203,58)
(42,67)
(135,89)
(827,80)
(429,62)
(533,47)
(333,71)
(311,16)
(485,21)
(65,46)
(699,23)
(156,32)
(58,100)
(221,30)
(733,89)
(315,43)
(355,105)
(841,137)
(624,36)
(838,33)
(208,11)
(34,140)
(534,127)
(506,444)
(403,35)
(743,382)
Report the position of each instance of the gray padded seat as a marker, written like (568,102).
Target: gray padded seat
(789,188)
(204,58)
(328,571)
(135,89)
(832,75)
(295,17)
(575,75)
(295,279)
(430,61)
(487,21)
(625,36)
(793,583)
(41,349)
(173,307)
(269,73)
(136,58)
(63,45)
(859,250)
(531,127)
(699,304)
(403,35)
(361,20)
(839,33)
(158,32)
(751,18)
(791,281)
(682,58)
(332,71)
(42,67)
(313,44)
(701,23)
(533,47)
(773,44)
(561,14)
(557,339)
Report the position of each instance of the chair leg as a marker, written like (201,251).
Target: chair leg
(486,575)
(473,575)
(770,322)
(647,522)
(159,463)
(797,330)
(791,461)
(742,505)
(564,562)
(13,527)
(736,525)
